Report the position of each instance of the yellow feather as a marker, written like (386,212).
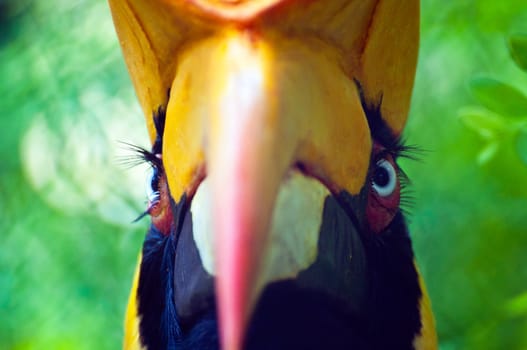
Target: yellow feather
(131,321)
(427,340)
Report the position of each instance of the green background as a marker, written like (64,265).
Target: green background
(67,244)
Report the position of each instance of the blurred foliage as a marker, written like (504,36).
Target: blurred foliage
(518,49)
(503,112)
(470,213)
(68,248)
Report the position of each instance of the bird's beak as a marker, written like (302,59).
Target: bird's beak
(257,90)
(246,110)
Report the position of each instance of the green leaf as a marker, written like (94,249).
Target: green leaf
(499,97)
(517,306)
(488,152)
(487,124)
(521,145)
(518,49)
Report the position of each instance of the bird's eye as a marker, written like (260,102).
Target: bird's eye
(152,185)
(384,180)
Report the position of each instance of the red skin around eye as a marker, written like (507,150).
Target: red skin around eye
(380,211)
(161,211)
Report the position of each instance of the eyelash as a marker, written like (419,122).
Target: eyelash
(400,150)
(407,198)
(139,156)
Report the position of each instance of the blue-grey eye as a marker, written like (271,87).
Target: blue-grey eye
(384,180)
(152,185)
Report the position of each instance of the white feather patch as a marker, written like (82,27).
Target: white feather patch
(292,245)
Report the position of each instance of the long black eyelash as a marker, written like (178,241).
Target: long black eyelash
(142,215)
(401,150)
(407,195)
(412,152)
(407,198)
(381,132)
(140,156)
(393,145)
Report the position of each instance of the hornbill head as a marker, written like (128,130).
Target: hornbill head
(276,128)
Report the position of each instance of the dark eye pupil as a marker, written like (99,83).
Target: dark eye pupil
(381,177)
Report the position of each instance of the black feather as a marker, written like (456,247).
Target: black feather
(159,123)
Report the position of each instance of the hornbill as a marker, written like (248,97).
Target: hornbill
(275,190)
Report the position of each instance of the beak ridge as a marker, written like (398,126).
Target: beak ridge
(261,107)
(243,147)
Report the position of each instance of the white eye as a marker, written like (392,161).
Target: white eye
(384,179)
(152,185)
